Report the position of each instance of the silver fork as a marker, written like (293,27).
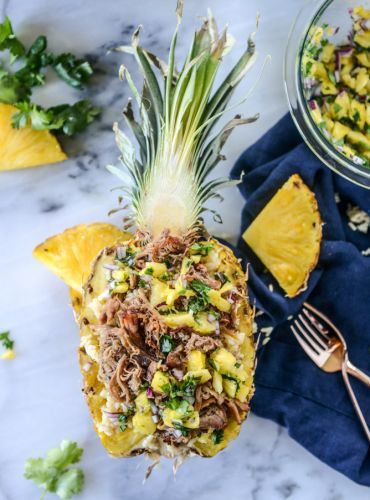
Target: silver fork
(325,345)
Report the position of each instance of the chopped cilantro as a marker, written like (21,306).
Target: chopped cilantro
(16,87)
(5,339)
(337,108)
(53,473)
(166,276)
(142,284)
(123,419)
(356,115)
(309,65)
(149,271)
(217,436)
(129,259)
(202,248)
(166,343)
(178,425)
(201,300)
(237,365)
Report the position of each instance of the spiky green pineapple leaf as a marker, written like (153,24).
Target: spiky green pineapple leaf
(167,189)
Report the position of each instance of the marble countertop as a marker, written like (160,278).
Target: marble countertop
(40,391)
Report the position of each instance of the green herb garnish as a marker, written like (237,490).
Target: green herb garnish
(202,248)
(178,425)
(149,271)
(217,436)
(16,87)
(7,342)
(166,343)
(53,473)
(201,300)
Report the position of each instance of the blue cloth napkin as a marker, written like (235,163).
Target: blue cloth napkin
(290,389)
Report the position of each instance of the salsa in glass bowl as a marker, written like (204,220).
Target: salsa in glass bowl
(327,79)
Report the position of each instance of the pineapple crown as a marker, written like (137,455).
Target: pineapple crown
(167,187)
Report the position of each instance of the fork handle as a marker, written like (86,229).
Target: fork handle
(355,403)
(355,372)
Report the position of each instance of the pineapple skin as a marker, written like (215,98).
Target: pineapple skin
(131,442)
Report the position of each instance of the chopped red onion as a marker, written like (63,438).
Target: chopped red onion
(190,399)
(155,418)
(217,331)
(121,252)
(177,433)
(154,408)
(149,392)
(313,104)
(211,318)
(111,267)
(177,373)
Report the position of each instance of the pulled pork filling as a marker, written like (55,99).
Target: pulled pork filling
(169,338)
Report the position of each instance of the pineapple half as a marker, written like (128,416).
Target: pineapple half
(167,352)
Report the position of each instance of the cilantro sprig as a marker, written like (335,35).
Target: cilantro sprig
(201,300)
(6,341)
(16,86)
(53,473)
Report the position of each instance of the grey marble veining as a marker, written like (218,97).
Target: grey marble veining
(40,391)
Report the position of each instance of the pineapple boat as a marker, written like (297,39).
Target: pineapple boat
(167,352)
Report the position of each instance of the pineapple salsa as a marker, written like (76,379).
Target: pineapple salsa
(173,344)
(337,86)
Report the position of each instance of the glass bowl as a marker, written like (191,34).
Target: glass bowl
(334,13)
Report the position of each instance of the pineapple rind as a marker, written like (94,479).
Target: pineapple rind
(130,442)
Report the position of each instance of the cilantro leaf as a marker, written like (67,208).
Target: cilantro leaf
(73,71)
(202,248)
(9,41)
(201,300)
(166,343)
(65,118)
(217,436)
(5,339)
(53,475)
(67,454)
(70,483)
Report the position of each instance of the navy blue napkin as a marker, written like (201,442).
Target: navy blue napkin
(290,389)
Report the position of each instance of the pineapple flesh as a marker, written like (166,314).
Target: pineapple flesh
(286,235)
(167,352)
(25,147)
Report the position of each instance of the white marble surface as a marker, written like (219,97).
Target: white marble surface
(40,398)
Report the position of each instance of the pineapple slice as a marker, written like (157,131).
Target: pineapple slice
(25,147)
(69,254)
(286,235)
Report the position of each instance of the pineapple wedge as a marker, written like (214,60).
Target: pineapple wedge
(286,235)
(70,254)
(25,147)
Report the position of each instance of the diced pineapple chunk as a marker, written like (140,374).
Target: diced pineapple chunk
(155,269)
(223,360)
(159,292)
(339,131)
(201,376)
(358,113)
(243,392)
(142,403)
(230,387)
(217,382)
(143,423)
(199,323)
(160,380)
(216,300)
(196,360)
(122,288)
(120,275)
(193,421)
